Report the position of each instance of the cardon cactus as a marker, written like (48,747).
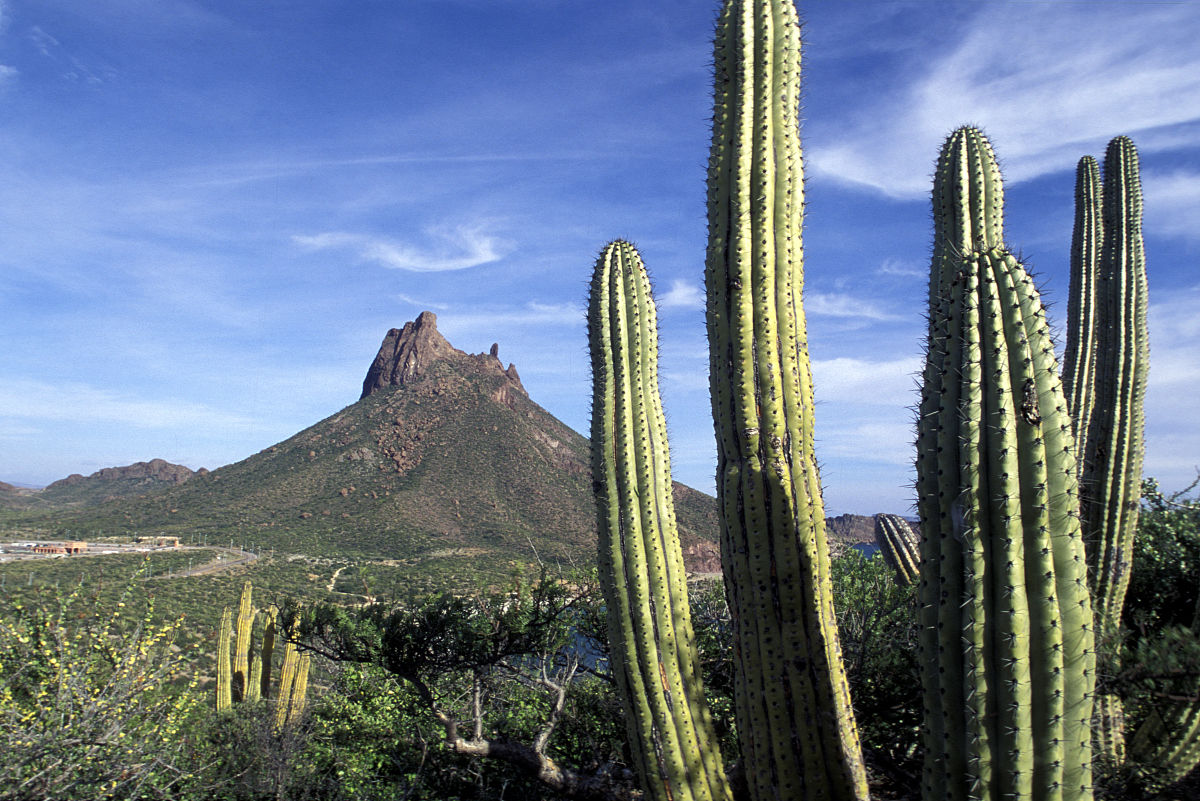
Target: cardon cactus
(654,655)
(1079,356)
(1111,475)
(1007,645)
(900,546)
(795,722)
(246,675)
(242,655)
(293,685)
(224,693)
(1105,366)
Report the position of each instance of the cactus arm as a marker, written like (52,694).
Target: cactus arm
(268,650)
(794,716)
(968,204)
(224,671)
(287,681)
(254,687)
(655,657)
(1113,459)
(1079,356)
(299,694)
(899,547)
(241,651)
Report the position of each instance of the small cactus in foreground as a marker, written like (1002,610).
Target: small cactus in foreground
(246,675)
(655,660)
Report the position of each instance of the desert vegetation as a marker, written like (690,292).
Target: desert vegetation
(1040,642)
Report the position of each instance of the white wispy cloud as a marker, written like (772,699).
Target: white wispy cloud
(682,294)
(904,268)
(31,400)
(1068,78)
(1173,202)
(828,304)
(451,248)
(862,381)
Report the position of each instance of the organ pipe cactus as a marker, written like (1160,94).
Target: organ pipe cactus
(242,656)
(1112,470)
(246,675)
(224,697)
(642,575)
(900,547)
(293,685)
(1079,356)
(1105,366)
(1007,646)
(795,722)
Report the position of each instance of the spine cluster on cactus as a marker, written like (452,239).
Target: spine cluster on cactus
(900,547)
(795,721)
(654,654)
(1007,647)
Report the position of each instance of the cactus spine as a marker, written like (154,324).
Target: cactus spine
(641,561)
(900,547)
(795,721)
(1007,643)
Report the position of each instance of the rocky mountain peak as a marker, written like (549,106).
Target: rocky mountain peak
(408,352)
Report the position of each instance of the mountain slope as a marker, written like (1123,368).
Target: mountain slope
(444,454)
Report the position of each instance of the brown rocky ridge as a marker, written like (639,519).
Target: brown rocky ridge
(158,470)
(408,353)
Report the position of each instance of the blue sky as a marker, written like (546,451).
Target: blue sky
(211,212)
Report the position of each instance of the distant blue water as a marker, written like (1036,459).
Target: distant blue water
(867,549)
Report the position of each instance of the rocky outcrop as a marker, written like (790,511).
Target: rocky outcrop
(154,470)
(409,352)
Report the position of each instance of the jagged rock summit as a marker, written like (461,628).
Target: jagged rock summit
(407,353)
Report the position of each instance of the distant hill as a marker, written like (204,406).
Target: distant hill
(109,483)
(444,459)
(443,455)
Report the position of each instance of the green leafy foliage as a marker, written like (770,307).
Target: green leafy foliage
(91,705)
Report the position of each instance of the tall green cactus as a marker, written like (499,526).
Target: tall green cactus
(900,547)
(968,214)
(641,561)
(224,692)
(242,656)
(245,675)
(1007,645)
(1079,356)
(1105,366)
(795,721)
(1111,475)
